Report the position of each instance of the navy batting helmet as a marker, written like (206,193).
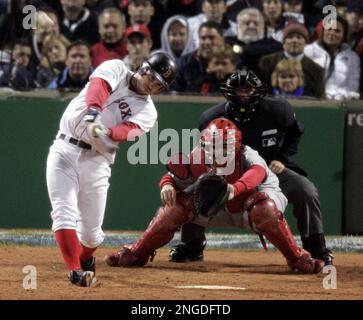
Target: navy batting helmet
(163,67)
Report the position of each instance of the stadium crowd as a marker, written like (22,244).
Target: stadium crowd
(293,45)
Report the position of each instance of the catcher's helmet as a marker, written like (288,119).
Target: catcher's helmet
(163,67)
(244,90)
(224,132)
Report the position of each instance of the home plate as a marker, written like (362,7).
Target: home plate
(210,287)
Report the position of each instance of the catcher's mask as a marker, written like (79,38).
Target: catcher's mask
(220,141)
(162,66)
(243,89)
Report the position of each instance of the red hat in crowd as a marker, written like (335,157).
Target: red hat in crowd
(138,28)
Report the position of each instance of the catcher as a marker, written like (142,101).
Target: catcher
(192,190)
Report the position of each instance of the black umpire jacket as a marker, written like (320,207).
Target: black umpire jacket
(274,131)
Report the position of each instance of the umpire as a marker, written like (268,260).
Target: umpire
(268,125)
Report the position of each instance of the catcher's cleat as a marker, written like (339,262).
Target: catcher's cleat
(113,259)
(127,258)
(184,253)
(89,265)
(82,278)
(306,264)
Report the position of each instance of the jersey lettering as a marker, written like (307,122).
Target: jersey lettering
(125,109)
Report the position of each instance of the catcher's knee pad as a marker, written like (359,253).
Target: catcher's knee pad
(263,215)
(172,217)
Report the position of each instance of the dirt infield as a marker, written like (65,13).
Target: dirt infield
(263,275)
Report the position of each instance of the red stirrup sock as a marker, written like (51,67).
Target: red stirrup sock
(86,253)
(69,245)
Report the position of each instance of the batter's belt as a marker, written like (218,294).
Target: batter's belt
(74,141)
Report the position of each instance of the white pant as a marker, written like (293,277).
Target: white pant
(77,181)
(240,220)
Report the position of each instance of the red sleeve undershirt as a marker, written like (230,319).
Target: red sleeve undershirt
(97,94)
(250,179)
(125,131)
(166,179)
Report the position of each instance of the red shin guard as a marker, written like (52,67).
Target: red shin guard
(160,230)
(266,219)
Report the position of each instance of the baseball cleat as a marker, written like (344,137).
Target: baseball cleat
(89,265)
(306,264)
(113,259)
(188,252)
(82,278)
(180,253)
(327,257)
(127,257)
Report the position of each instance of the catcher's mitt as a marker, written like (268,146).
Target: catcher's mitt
(210,193)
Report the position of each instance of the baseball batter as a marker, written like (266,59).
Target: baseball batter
(114,106)
(254,199)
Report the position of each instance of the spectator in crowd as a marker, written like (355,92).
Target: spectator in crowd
(78,68)
(98,6)
(54,4)
(251,43)
(236,6)
(4,7)
(212,10)
(295,38)
(78,22)
(176,39)
(192,68)
(313,13)
(183,7)
(111,27)
(11,26)
(222,64)
(138,45)
(288,78)
(5,58)
(293,10)
(354,17)
(46,23)
(341,64)
(143,12)
(275,21)
(54,59)
(16,74)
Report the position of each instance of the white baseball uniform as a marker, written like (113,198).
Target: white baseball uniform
(78,178)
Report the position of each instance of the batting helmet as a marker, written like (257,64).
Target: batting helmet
(224,132)
(163,67)
(244,90)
